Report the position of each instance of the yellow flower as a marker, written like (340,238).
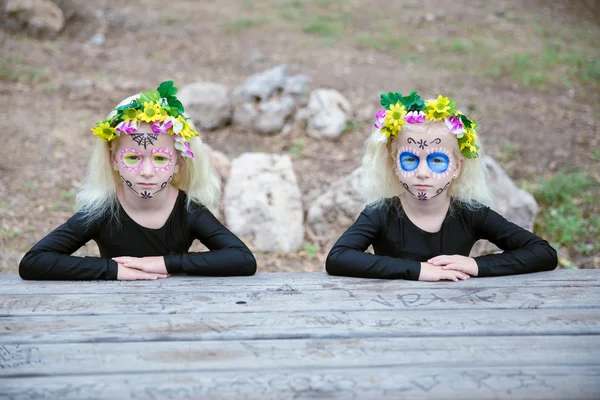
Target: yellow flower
(151,113)
(387,131)
(131,114)
(104,131)
(438,109)
(187,132)
(394,118)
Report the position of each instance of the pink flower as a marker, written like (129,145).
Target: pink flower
(415,117)
(380,119)
(157,127)
(187,153)
(455,126)
(127,127)
(183,147)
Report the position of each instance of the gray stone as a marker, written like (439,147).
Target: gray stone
(335,210)
(39,18)
(296,85)
(514,204)
(207,103)
(262,202)
(262,86)
(273,114)
(266,101)
(326,114)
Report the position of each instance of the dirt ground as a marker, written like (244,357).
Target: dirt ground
(538,112)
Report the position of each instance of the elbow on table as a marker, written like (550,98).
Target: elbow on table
(26,268)
(333,266)
(248,267)
(552,259)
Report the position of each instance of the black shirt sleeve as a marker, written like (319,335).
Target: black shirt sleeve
(228,255)
(51,259)
(523,253)
(348,257)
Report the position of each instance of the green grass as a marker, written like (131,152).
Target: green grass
(570,217)
(310,250)
(247,23)
(324,26)
(297,147)
(14,72)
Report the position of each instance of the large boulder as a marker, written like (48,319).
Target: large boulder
(207,103)
(336,209)
(42,19)
(326,114)
(514,204)
(262,202)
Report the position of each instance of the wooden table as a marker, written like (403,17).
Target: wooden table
(302,336)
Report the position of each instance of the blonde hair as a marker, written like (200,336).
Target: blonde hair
(97,195)
(379,180)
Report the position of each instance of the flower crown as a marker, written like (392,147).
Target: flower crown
(160,108)
(412,109)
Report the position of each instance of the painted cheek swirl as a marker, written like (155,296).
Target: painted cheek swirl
(409,161)
(161,159)
(131,159)
(439,161)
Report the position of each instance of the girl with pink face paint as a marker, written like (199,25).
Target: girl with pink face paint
(428,202)
(146,197)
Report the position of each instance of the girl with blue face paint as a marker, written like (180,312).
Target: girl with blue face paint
(428,202)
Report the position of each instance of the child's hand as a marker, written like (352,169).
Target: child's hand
(431,273)
(464,264)
(154,265)
(131,274)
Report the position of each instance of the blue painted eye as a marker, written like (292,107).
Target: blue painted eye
(438,162)
(408,161)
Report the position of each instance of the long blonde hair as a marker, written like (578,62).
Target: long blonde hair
(97,195)
(379,180)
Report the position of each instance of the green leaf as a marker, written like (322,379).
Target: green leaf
(465,121)
(133,104)
(173,102)
(149,96)
(166,89)
(390,98)
(413,102)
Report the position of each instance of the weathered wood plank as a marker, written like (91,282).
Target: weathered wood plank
(527,382)
(12,284)
(283,325)
(118,358)
(234,301)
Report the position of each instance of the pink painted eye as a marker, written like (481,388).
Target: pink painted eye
(160,160)
(131,159)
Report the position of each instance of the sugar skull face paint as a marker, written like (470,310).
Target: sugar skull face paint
(425,164)
(131,159)
(439,161)
(161,159)
(145,162)
(409,161)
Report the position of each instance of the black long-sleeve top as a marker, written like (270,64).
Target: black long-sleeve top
(51,257)
(400,246)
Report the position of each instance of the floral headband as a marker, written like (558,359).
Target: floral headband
(412,109)
(160,108)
